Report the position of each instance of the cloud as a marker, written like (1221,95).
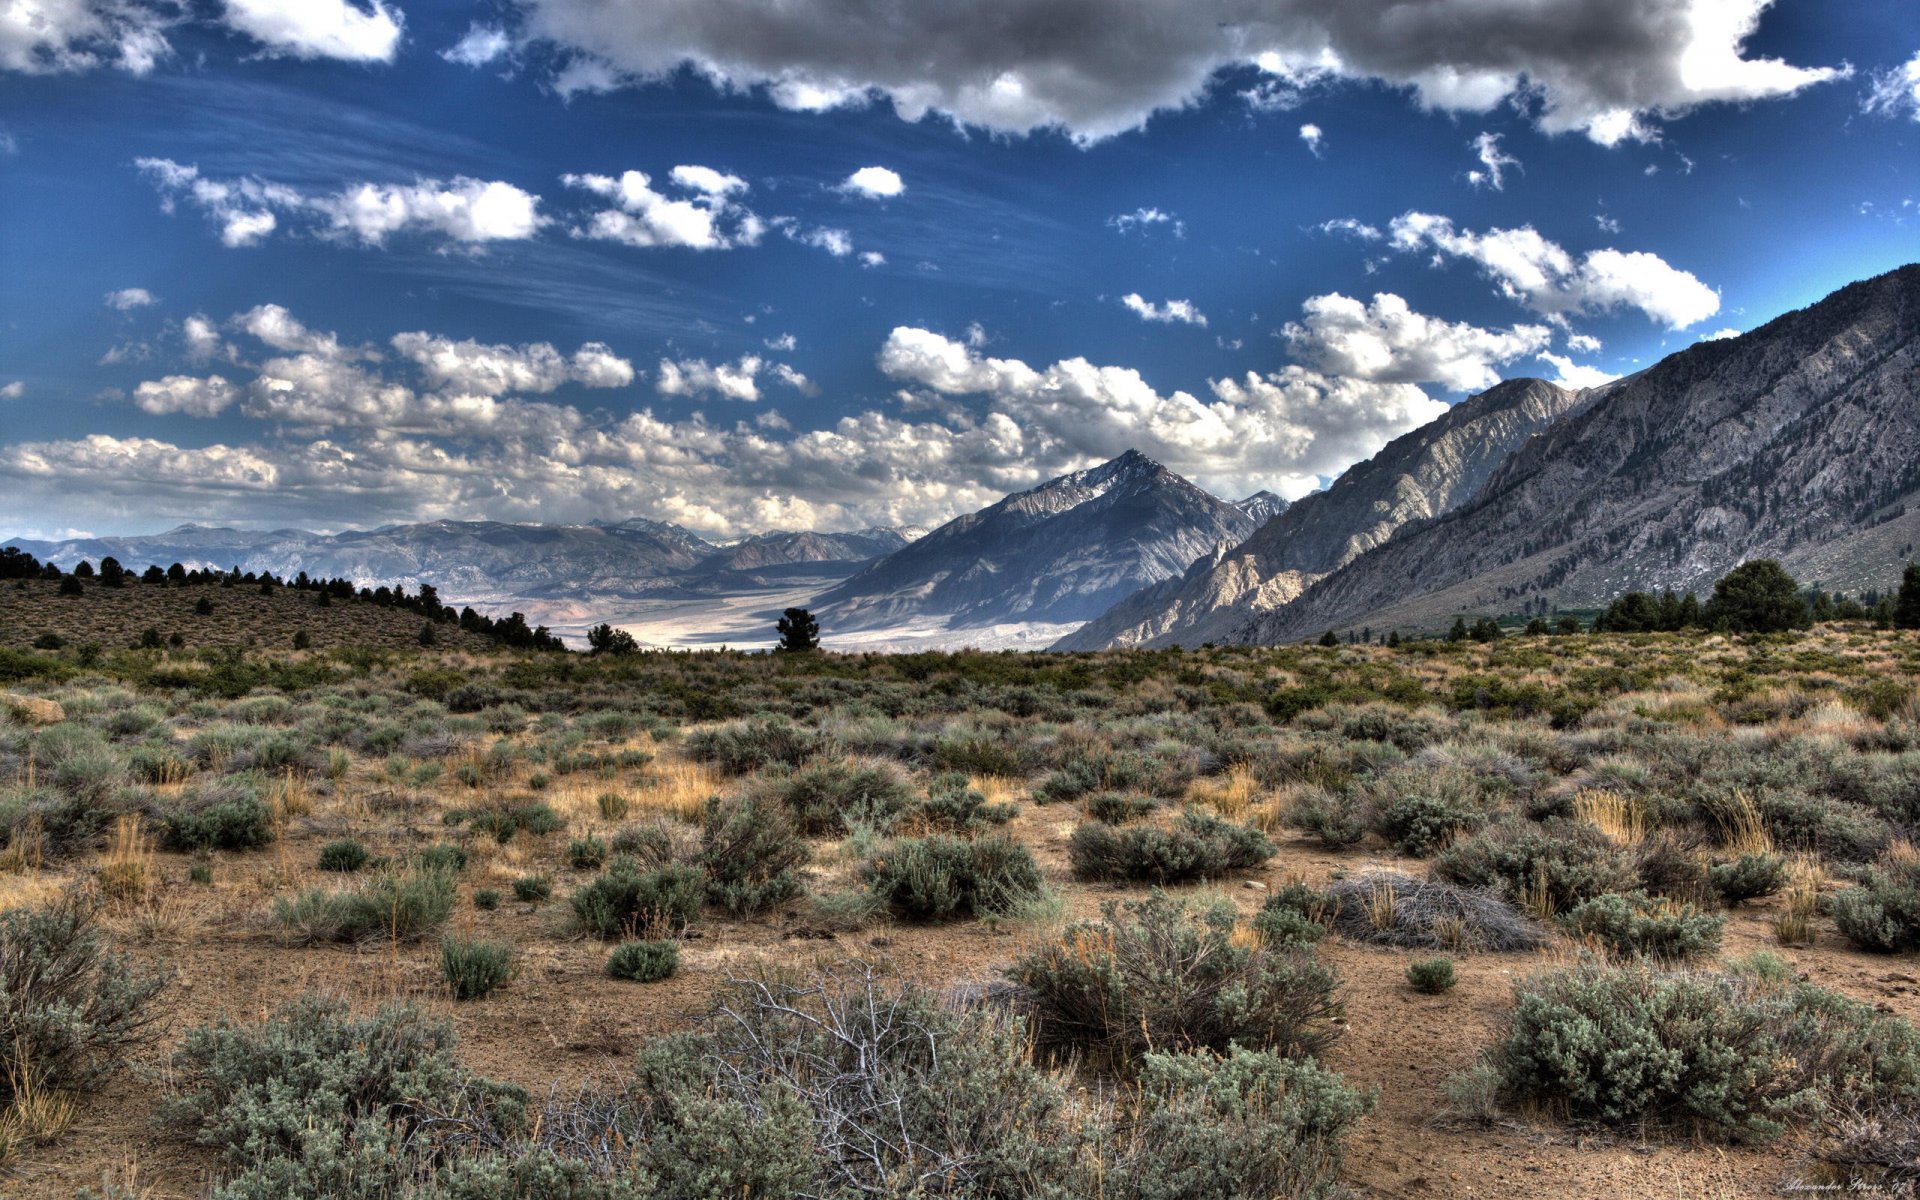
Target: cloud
(1143,219)
(1584,343)
(1353,228)
(1895,92)
(1283,430)
(1720,335)
(203,340)
(481,45)
(1014,66)
(1313,136)
(703,218)
(1493,163)
(729,381)
(472,368)
(878,182)
(127,299)
(13,391)
(41,37)
(247,209)
(1569,374)
(1180,311)
(1544,277)
(1386,341)
(185,394)
(334,29)
(785,342)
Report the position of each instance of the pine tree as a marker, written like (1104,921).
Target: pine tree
(1459,631)
(1329,638)
(799,632)
(1906,609)
(1757,597)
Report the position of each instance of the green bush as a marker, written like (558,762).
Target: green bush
(1117,808)
(644,962)
(1151,975)
(1431,975)
(1740,1056)
(1294,916)
(486,899)
(587,853)
(625,899)
(1570,860)
(69,1010)
(1421,824)
(403,907)
(940,877)
(1226,1127)
(223,817)
(443,856)
(473,969)
(952,803)
(750,851)
(345,856)
(743,746)
(1639,924)
(829,799)
(1749,877)
(532,889)
(1199,846)
(1883,912)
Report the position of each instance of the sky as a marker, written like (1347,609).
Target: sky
(832,264)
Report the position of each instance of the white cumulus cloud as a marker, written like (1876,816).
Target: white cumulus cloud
(1570,374)
(127,299)
(338,29)
(1895,92)
(1546,278)
(878,182)
(703,217)
(39,37)
(187,394)
(1387,341)
(1493,163)
(1181,312)
(480,45)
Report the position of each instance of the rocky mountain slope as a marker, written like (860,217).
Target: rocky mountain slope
(1799,441)
(1415,477)
(1060,552)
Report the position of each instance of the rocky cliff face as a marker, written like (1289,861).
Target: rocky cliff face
(1061,552)
(1414,478)
(1800,441)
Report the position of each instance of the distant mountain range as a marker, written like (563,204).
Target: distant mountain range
(1059,553)
(492,562)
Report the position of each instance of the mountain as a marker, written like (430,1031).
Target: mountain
(1417,476)
(1798,441)
(1262,507)
(1061,552)
(786,549)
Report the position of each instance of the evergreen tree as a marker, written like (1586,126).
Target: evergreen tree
(1757,597)
(1906,609)
(1486,629)
(1393,639)
(799,632)
(1567,624)
(605,639)
(1690,611)
(112,574)
(1536,627)
(1459,631)
(1329,638)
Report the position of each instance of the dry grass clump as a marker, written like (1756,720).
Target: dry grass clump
(676,787)
(1619,817)
(1231,794)
(1390,909)
(127,871)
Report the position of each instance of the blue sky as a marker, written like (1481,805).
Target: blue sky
(311,263)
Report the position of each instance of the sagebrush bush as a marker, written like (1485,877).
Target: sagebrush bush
(1118,808)
(752,745)
(587,853)
(940,877)
(345,855)
(830,798)
(1883,911)
(1749,877)
(228,815)
(644,962)
(473,968)
(400,906)
(1636,923)
(69,1010)
(1566,861)
(1198,846)
(532,889)
(750,851)
(1152,975)
(1736,1055)
(626,899)
(953,803)
(1431,975)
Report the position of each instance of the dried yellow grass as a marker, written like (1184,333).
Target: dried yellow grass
(1383,906)
(1618,817)
(676,787)
(127,871)
(1230,795)
(24,852)
(998,789)
(1743,830)
(1902,853)
(38,1115)
(290,796)
(29,889)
